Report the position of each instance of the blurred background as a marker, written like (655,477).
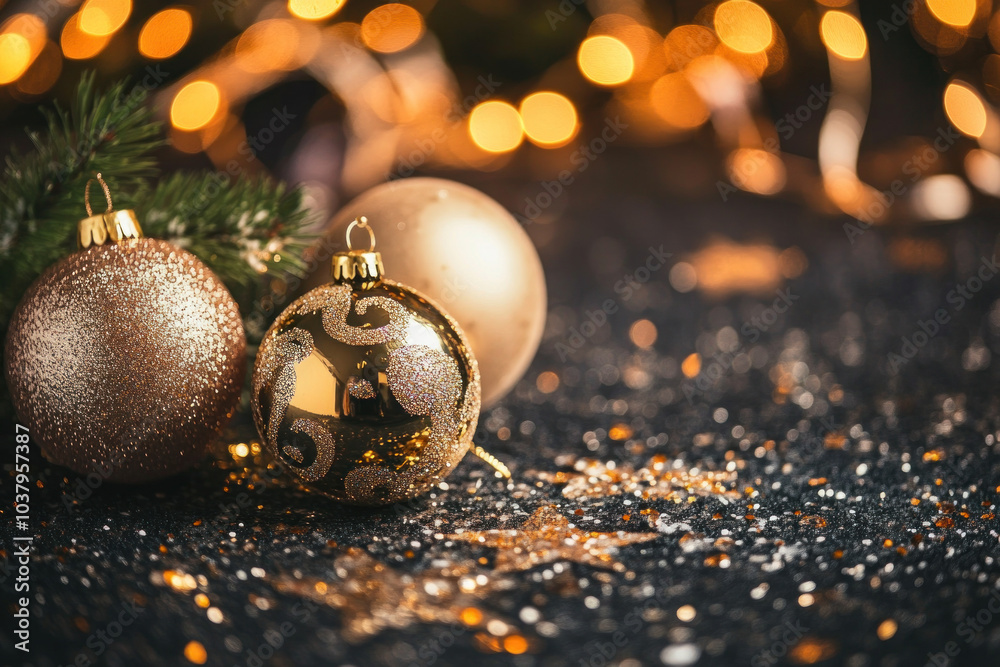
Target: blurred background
(842,108)
(840,153)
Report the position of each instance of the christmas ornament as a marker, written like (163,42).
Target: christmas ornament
(466,252)
(126,357)
(364,388)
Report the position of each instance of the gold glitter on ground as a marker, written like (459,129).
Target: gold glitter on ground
(656,480)
(546,537)
(373,597)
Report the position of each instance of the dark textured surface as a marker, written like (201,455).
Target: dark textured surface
(875,456)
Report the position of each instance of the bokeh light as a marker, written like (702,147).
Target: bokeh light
(743,26)
(22,38)
(315,10)
(983,169)
(165,33)
(549,119)
(15,56)
(78,45)
(941,197)
(687,42)
(195,105)
(965,109)
(756,170)
(43,73)
(271,45)
(391,28)
(843,35)
(675,100)
(605,60)
(103,17)
(496,126)
(958,13)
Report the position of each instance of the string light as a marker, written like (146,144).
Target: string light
(965,109)
(549,119)
(79,45)
(195,105)
(315,10)
(743,26)
(496,126)
(391,28)
(958,13)
(22,38)
(605,60)
(843,35)
(165,33)
(101,18)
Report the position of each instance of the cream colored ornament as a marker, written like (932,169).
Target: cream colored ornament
(467,253)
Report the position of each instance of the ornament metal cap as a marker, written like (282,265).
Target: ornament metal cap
(112,225)
(362,267)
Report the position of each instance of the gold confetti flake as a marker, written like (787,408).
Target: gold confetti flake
(655,480)
(547,537)
(373,597)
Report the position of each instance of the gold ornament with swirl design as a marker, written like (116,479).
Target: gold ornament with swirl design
(365,389)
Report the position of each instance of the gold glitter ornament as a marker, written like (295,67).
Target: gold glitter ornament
(365,389)
(127,357)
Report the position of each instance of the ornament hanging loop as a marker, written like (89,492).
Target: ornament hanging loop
(112,225)
(361,223)
(86,194)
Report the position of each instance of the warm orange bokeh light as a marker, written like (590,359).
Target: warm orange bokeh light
(195,105)
(391,28)
(843,35)
(103,17)
(676,101)
(43,73)
(743,26)
(496,127)
(605,60)
(78,45)
(756,170)
(22,38)
(195,653)
(549,119)
(165,33)
(958,13)
(687,42)
(315,10)
(965,109)
(269,45)
(15,56)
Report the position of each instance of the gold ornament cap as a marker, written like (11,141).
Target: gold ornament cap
(114,226)
(358,267)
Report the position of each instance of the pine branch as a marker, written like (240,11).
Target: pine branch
(244,229)
(241,229)
(249,231)
(41,197)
